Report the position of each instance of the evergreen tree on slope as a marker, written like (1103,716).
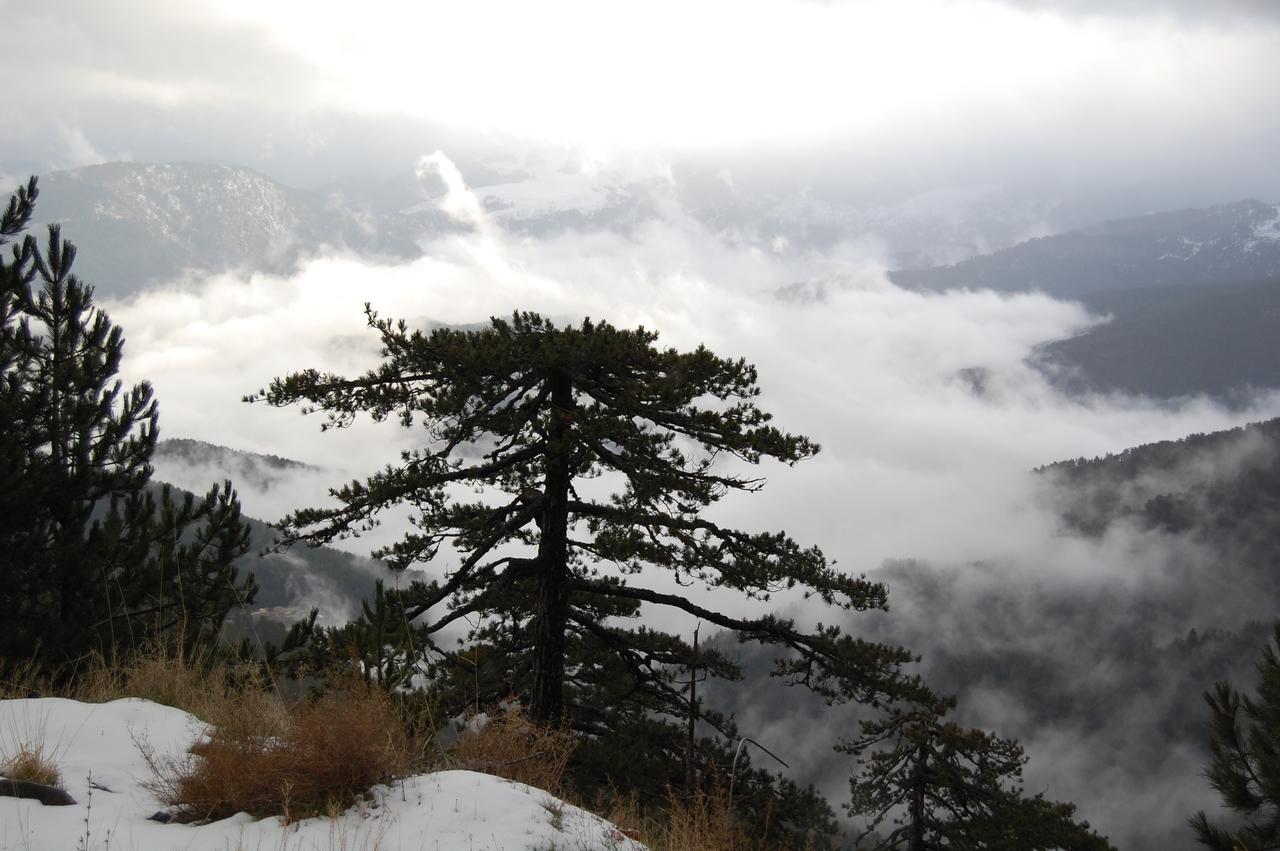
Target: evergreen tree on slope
(91,557)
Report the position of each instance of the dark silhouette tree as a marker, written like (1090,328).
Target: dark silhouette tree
(1245,763)
(934,786)
(594,455)
(91,556)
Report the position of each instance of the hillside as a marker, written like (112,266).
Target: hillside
(289,583)
(251,468)
(1217,339)
(1193,299)
(1093,646)
(1220,244)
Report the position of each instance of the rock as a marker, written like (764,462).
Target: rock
(50,796)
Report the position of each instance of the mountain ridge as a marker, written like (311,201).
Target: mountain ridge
(1238,241)
(138,224)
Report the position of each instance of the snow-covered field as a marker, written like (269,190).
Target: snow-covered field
(95,747)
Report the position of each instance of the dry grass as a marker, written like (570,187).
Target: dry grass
(269,758)
(31,763)
(264,760)
(196,685)
(510,745)
(25,751)
(703,824)
(22,679)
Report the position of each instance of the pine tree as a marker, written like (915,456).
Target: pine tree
(92,557)
(1245,765)
(939,786)
(540,420)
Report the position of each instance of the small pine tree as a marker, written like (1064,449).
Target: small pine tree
(92,557)
(940,786)
(1245,765)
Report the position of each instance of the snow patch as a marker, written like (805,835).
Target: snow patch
(1185,250)
(1266,231)
(98,744)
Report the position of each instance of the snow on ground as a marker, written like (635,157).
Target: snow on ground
(98,744)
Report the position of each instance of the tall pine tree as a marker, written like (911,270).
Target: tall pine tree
(92,558)
(540,421)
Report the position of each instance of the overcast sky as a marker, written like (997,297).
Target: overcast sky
(1156,103)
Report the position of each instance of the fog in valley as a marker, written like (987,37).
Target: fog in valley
(743,176)
(924,478)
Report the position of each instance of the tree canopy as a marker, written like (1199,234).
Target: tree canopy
(92,557)
(561,485)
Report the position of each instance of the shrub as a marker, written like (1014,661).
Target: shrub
(265,761)
(508,744)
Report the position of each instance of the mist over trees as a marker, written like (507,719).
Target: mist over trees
(927,784)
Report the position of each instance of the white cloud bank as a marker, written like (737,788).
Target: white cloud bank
(915,461)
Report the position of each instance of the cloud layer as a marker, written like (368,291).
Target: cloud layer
(929,416)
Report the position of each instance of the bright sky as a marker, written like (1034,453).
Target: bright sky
(1051,98)
(727,71)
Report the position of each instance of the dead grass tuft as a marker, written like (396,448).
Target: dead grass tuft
(25,751)
(262,759)
(510,745)
(33,764)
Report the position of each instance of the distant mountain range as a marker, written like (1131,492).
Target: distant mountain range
(1221,244)
(140,224)
(1193,297)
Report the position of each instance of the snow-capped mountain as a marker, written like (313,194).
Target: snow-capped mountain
(138,224)
(1220,244)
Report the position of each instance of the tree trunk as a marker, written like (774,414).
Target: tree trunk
(552,613)
(919,780)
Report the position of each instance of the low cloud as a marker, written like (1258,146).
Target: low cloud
(917,458)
